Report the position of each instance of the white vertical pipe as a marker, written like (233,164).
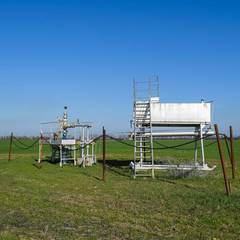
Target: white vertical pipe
(87,141)
(60,155)
(202,149)
(74,153)
(83,141)
(195,151)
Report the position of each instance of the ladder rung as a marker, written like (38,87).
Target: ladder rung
(142,151)
(143,147)
(137,118)
(143,157)
(143,122)
(144,114)
(143,175)
(137,136)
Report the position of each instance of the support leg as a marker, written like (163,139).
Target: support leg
(60,156)
(202,148)
(195,157)
(74,153)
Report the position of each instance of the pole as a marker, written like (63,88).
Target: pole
(195,153)
(10,148)
(41,151)
(232,153)
(104,160)
(227,184)
(202,148)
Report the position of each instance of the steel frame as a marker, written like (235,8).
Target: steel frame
(146,122)
(65,144)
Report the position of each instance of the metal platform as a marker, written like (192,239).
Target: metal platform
(148,166)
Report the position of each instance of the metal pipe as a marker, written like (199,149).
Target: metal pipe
(10,147)
(83,141)
(163,134)
(195,157)
(202,148)
(87,141)
(222,161)
(135,97)
(60,155)
(74,155)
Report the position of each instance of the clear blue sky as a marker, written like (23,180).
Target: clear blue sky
(84,54)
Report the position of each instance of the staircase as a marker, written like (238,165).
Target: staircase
(144,93)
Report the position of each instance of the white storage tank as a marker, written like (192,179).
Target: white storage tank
(179,114)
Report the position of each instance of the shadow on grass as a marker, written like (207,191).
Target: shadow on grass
(117,166)
(116,163)
(90,175)
(48,160)
(36,166)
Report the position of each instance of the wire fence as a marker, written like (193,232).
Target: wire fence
(24,146)
(164,147)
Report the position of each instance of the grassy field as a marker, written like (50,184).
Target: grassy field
(73,203)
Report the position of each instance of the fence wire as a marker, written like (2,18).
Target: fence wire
(164,146)
(27,146)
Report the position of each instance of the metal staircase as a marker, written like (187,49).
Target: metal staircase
(144,93)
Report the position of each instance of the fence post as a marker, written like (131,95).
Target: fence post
(232,153)
(10,148)
(227,184)
(41,151)
(104,160)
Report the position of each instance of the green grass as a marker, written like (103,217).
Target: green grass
(73,203)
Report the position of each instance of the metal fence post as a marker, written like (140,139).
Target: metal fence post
(10,148)
(104,160)
(227,184)
(232,153)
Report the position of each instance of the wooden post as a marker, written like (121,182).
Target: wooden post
(226,141)
(41,151)
(232,153)
(104,160)
(227,184)
(10,148)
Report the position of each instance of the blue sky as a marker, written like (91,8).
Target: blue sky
(84,54)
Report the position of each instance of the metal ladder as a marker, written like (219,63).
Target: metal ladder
(143,142)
